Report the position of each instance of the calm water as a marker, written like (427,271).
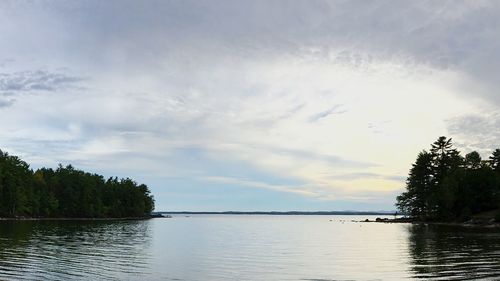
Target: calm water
(245,248)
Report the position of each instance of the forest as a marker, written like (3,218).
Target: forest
(67,193)
(443,185)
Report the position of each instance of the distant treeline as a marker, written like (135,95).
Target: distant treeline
(444,186)
(67,192)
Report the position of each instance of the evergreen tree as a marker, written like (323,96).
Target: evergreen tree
(67,192)
(442,185)
(495,160)
(419,184)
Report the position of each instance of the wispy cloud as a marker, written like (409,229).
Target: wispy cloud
(40,80)
(337,109)
(14,84)
(367,175)
(258,184)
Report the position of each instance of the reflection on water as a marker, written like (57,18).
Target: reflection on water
(245,248)
(454,253)
(63,250)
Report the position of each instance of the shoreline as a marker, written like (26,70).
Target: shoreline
(468,224)
(74,219)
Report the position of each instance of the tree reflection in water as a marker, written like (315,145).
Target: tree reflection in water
(454,253)
(62,250)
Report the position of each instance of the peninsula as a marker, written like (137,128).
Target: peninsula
(68,193)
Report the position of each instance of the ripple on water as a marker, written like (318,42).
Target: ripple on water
(245,248)
(72,250)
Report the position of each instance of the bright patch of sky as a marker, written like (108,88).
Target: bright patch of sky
(249,105)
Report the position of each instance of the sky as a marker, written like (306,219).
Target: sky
(249,105)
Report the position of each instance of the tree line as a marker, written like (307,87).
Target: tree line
(67,192)
(443,185)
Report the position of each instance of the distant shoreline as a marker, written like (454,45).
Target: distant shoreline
(287,213)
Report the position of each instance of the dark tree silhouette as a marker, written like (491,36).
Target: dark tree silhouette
(495,160)
(67,192)
(419,184)
(442,185)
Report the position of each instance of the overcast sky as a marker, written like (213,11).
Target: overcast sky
(249,105)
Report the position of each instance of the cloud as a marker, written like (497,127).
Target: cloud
(478,131)
(40,80)
(333,110)
(258,184)
(314,192)
(255,112)
(445,34)
(4,62)
(366,175)
(6,102)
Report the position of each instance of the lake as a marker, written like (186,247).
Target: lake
(245,247)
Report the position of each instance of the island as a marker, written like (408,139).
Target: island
(67,192)
(444,186)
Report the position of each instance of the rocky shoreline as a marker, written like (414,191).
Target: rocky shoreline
(487,223)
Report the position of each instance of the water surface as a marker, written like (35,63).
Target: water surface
(241,247)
